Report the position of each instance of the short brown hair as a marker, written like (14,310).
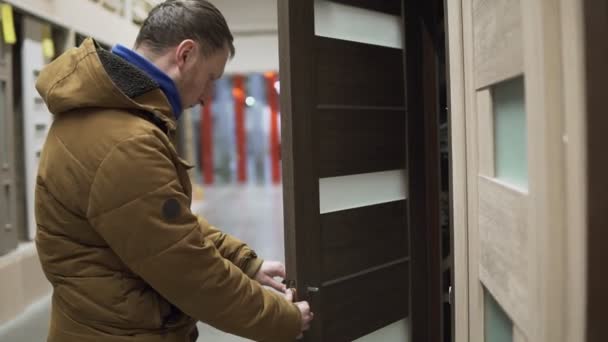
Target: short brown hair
(171,22)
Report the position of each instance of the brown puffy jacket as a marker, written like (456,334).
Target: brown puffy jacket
(127,258)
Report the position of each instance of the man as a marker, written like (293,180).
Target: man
(127,258)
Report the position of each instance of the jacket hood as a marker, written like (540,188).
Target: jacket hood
(91,77)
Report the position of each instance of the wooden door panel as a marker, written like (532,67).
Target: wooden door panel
(497,40)
(359,140)
(596,55)
(358,306)
(358,74)
(358,239)
(503,239)
(386,6)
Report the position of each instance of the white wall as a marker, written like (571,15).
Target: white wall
(255,53)
(254,24)
(249,15)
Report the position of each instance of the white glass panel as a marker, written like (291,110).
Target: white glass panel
(333,20)
(347,192)
(398,331)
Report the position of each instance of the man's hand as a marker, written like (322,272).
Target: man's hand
(267,273)
(305,312)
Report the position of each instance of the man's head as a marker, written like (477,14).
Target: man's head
(191,42)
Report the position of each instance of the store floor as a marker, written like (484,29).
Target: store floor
(254,215)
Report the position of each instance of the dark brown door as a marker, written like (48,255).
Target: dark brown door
(596,73)
(345,167)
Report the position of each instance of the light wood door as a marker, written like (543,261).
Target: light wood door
(510,140)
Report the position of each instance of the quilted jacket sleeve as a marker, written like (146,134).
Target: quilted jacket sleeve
(137,204)
(232,249)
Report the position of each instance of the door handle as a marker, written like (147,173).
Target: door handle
(312,289)
(292,285)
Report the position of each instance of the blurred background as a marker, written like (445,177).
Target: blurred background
(234,142)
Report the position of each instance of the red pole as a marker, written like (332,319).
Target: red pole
(207,142)
(238,92)
(275,147)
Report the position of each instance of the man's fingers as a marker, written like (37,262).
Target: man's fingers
(276,285)
(304,307)
(307,319)
(307,316)
(281,271)
(289,295)
(277,270)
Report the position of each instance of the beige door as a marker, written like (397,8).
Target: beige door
(515,151)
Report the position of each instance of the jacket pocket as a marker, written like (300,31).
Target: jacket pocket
(92,299)
(143,303)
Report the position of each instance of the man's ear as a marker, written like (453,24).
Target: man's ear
(184,52)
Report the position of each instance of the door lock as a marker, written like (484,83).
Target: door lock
(292,285)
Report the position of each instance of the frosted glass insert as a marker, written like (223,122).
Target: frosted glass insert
(510,133)
(334,20)
(361,190)
(398,331)
(498,326)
